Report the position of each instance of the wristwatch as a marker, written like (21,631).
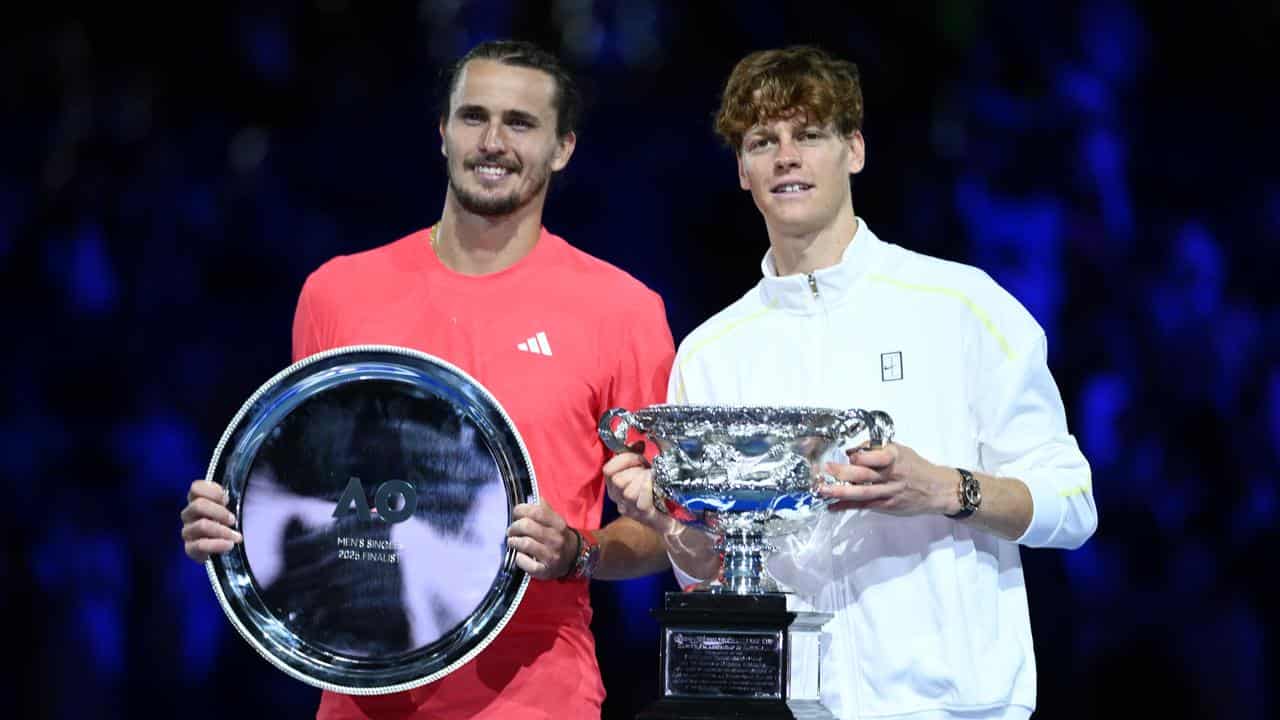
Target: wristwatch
(584,566)
(970,495)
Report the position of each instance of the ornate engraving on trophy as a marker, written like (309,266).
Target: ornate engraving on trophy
(745,475)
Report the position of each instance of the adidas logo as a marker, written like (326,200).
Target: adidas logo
(537,345)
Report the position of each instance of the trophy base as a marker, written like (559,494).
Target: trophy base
(725,655)
(761,586)
(672,709)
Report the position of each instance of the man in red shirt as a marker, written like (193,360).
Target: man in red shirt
(534,320)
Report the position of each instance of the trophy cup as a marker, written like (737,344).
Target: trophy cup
(373,486)
(737,646)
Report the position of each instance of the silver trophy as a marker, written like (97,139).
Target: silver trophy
(746,475)
(373,485)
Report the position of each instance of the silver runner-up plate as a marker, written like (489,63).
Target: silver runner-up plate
(373,486)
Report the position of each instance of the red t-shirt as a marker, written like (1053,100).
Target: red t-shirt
(558,338)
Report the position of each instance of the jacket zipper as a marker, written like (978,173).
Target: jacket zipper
(819,320)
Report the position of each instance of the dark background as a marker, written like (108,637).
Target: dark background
(168,177)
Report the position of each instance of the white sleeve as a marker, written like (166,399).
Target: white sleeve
(684,579)
(1023,434)
(677,394)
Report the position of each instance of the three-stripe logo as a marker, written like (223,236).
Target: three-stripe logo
(537,345)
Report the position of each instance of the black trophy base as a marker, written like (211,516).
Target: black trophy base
(734,709)
(733,657)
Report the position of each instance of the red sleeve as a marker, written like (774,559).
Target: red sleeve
(645,354)
(306,331)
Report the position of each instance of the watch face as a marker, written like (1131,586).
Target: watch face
(591,561)
(972,494)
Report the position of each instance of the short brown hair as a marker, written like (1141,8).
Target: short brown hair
(567,100)
(774,84)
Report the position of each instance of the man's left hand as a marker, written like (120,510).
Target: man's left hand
(545,546)
(892,479)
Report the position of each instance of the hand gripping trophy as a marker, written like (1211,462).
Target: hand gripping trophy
(746,475)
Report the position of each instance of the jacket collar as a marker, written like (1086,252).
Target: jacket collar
(796,292)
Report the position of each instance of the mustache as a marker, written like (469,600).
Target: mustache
(502,162)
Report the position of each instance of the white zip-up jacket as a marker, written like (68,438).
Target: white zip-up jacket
(930,615)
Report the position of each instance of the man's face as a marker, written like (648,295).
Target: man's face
(500,137)
(798,172)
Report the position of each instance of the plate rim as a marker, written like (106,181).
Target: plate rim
(211,564)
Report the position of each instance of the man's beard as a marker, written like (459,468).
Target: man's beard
(491,206)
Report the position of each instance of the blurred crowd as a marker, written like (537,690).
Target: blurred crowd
(167,182)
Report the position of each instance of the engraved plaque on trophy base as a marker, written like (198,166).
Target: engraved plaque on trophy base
(737,656)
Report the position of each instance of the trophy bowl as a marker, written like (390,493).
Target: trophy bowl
(745,474)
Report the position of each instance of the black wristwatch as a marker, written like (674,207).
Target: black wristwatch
(970,495)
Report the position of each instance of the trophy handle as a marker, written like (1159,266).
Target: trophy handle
(615,438)
(878,424)
(879,427)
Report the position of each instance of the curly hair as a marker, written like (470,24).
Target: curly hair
(802,80)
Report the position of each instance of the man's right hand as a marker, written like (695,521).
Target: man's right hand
(207,524)
(629,482)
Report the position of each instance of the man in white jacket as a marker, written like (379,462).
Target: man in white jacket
(919,565)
